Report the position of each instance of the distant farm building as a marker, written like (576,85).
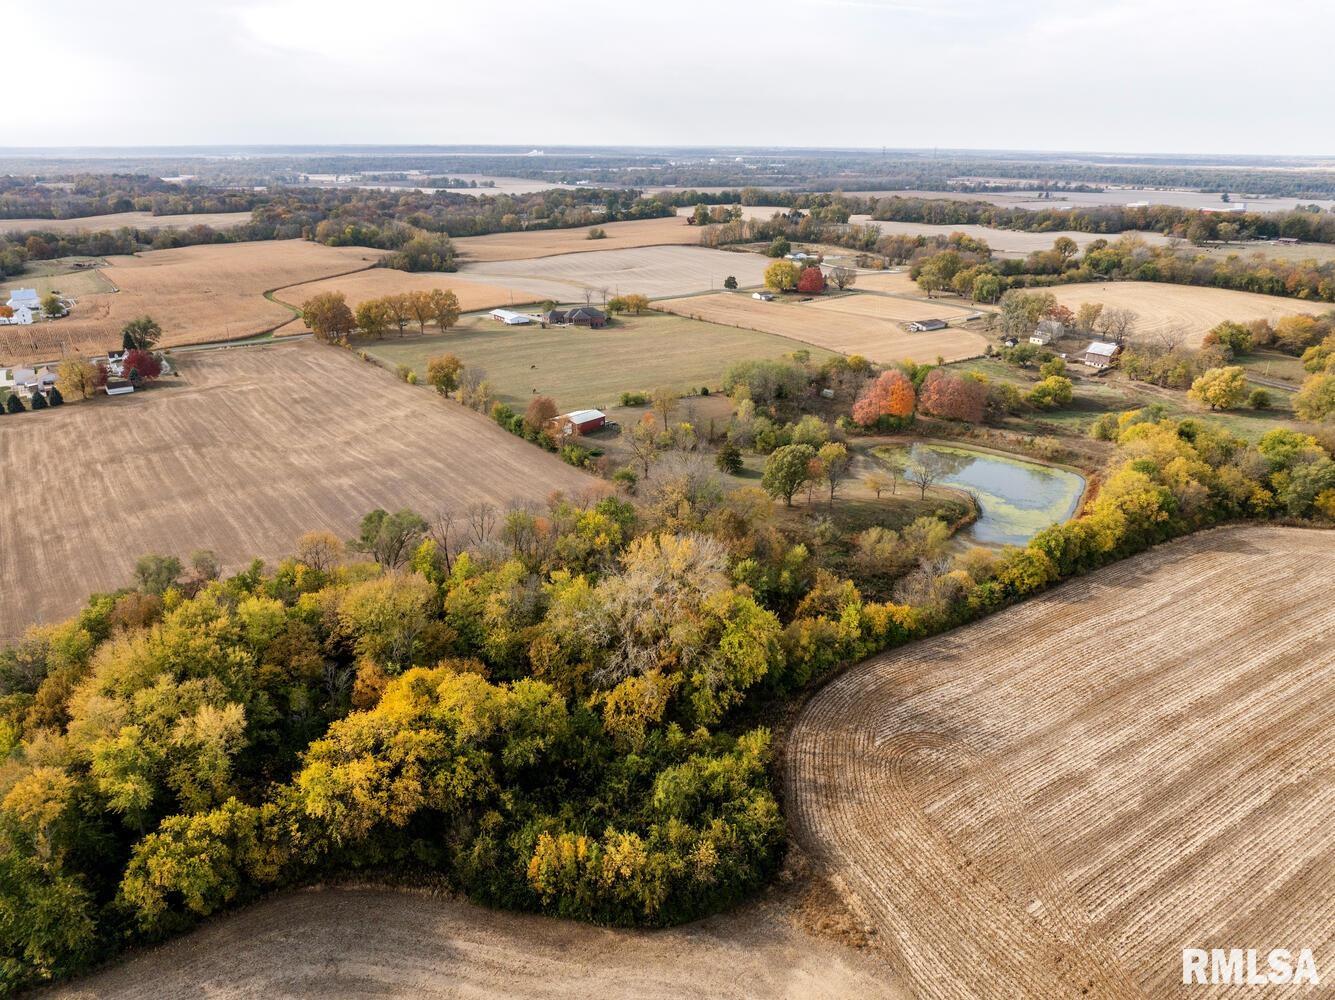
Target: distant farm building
(581,421)
(763,296)
(926,325)
(22,317)
(119,386)
(25,298)
(510,317)
(1100,354)
(1048,331)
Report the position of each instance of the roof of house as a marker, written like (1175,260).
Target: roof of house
(588,311)
(584,416)
(1102,348)
(23,295)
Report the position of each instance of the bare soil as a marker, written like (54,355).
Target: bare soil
(1055,801)
(364,942)
(246,450)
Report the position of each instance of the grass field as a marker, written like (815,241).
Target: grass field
(1188,309)
(381,281)
(579,367)
(120,220)
(654,271)
(546,242)
(248,449)
(368,942)
(63,277)
(198,294)
(874,330)
(1054,801)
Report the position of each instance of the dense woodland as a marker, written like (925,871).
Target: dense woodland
(558,708)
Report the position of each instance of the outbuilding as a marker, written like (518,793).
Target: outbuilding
(763,296)
(26,298)
(925,325)
(511,318)
(119,386)
(581,421)
(1048,331)
(1100,354)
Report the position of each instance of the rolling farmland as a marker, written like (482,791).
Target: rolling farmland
(654,271)
(121,220)
(198,294)
(1055,801)
(1007,241)
(1186,309)
(252,448)
(872,329)
(547,242)
(378,282)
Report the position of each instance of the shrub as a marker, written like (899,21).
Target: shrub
(1259,399)
(634,398)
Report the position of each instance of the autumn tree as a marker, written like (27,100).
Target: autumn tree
(400,314)
(781,276)
(77,377)
(1088,315)
(442,372)
(924,470)
(421,308)
(1116,324)
(787,470)
(636,303)
(1316,400)
(953,397)
(541,411)
(444,308)
(1051,392)
(139,365)
(811,281)
(141,334)
(891,396)
(836,463)
(388,538)
(372,318)
(641,440)
(328,317)
(1220,388)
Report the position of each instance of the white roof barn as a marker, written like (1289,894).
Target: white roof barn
(26,297)
(510,317)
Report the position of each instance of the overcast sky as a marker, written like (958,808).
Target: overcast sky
(1227,76)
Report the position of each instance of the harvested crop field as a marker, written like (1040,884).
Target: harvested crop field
(381,281)
(198,294)
(892,307)
(878,337)
(1007,241)
(651,271)
(343,942)
(1186,309)
(121,220)
(247,450)
(579,367)
(1055,801)
(546,242)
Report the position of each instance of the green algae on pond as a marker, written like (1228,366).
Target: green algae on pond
(1017,498)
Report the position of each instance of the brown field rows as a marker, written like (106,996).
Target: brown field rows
(120,220)
(1187,309)
(250,448)
(1055,801)
(546,242)
(364,942)
(198,294)
(875,332)
(381,281)
(654,271)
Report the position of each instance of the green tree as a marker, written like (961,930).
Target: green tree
(729,459)
(730,283)
(141,334)
(155,573)
(388,538)
(786,471)
(1051,392)
(836,462)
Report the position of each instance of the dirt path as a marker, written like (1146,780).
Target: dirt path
(1056,801)
(377,942)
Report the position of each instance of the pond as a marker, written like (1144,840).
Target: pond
(1017,499)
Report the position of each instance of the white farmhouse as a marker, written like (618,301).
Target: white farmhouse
(22,317)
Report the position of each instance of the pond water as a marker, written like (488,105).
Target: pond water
(1018,499)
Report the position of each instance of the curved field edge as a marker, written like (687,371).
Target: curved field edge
(373,941)
(1057,799)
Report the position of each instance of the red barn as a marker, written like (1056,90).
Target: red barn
(582,421)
